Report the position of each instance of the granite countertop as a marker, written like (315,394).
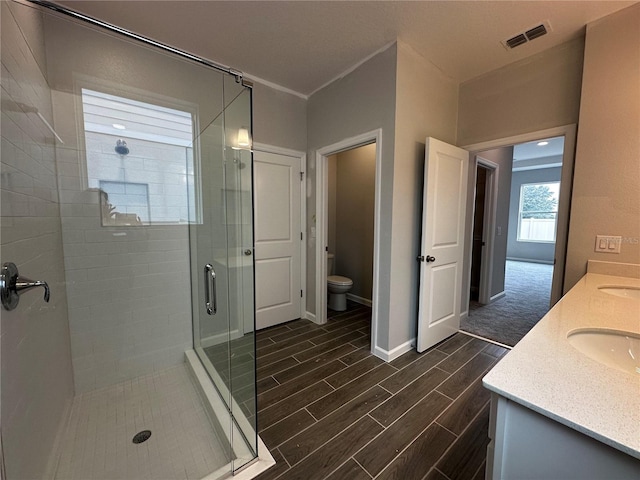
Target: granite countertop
(548,375)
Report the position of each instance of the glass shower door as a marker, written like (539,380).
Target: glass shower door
(222,268)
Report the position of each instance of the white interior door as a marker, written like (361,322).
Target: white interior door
(442,250)
(278,240)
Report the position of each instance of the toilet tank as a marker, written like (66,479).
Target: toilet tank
(330,264)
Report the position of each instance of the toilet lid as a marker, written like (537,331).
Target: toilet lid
(338,280)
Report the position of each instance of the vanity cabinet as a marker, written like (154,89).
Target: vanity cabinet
(527,445)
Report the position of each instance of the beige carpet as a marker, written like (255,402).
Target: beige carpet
(526,301)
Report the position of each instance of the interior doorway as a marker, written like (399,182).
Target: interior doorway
(350,220)
(527,258)
(326,237)
(478,232)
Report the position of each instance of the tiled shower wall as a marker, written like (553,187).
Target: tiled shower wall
(128,288)
(37,382)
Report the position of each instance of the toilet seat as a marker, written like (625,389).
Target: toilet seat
(339,280)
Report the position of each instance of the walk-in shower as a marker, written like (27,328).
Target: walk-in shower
(124,188)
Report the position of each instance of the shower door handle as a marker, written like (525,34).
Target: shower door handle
(211,298)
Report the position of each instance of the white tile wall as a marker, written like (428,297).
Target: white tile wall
(128,287)
(165,169)
(37,381)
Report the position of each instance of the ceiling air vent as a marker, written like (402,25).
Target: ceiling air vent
(527,36)
(536,32)
(513,42)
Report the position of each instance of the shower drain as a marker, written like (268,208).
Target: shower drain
(142,436)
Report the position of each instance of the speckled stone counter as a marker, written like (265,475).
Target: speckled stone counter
(546,374)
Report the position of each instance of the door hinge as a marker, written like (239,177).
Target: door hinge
(300,235)
(301,294)
(301,176)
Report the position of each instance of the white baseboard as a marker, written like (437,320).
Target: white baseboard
(390,355)
(530,260)
(497,296)
(360,300)
(311,316)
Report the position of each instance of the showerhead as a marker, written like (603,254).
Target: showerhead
(121,147)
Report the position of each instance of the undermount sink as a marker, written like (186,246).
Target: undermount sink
(619,291)
(619,350)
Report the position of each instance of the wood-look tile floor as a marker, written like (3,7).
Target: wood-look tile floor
(329,409)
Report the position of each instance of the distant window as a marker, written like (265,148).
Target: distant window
(141,156)
(130,203)
(538,212)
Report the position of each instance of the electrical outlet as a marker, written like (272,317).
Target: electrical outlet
(608,243)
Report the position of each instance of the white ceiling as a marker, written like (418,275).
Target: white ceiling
(302,45)
(530,150)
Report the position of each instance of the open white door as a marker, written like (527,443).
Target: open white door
(442,250)
(278,240)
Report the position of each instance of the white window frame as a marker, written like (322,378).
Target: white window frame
(520,212)
(82,81)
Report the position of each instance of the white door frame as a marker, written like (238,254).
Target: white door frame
(566,185)
(261,147)
(374,136)
(488,227)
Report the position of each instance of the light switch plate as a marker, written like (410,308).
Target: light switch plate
(608,243)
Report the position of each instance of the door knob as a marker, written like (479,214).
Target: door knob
(247,251)
(429,258)
(420,258)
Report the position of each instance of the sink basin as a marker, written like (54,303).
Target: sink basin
(619,350)
(619,291)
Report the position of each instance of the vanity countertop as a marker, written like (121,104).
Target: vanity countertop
(545,373)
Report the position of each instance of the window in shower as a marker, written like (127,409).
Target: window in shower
(140,156)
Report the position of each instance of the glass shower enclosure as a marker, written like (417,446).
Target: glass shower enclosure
(126,181)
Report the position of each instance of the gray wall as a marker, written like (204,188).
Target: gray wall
(410,99)
(606,185)
(37,378)
(362,101)
(279,118)
(529,251)
(504,158)
(354,217)
(539,92)
(427,103)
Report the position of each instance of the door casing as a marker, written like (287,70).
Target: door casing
(564,204)
(322,207)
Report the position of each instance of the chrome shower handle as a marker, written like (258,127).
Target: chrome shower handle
(24,284)
(12,285)
(211,297)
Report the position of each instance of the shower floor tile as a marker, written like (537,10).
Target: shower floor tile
(97,444)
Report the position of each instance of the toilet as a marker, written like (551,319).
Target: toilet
(337,286)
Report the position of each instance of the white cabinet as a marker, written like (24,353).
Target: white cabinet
(527,445)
